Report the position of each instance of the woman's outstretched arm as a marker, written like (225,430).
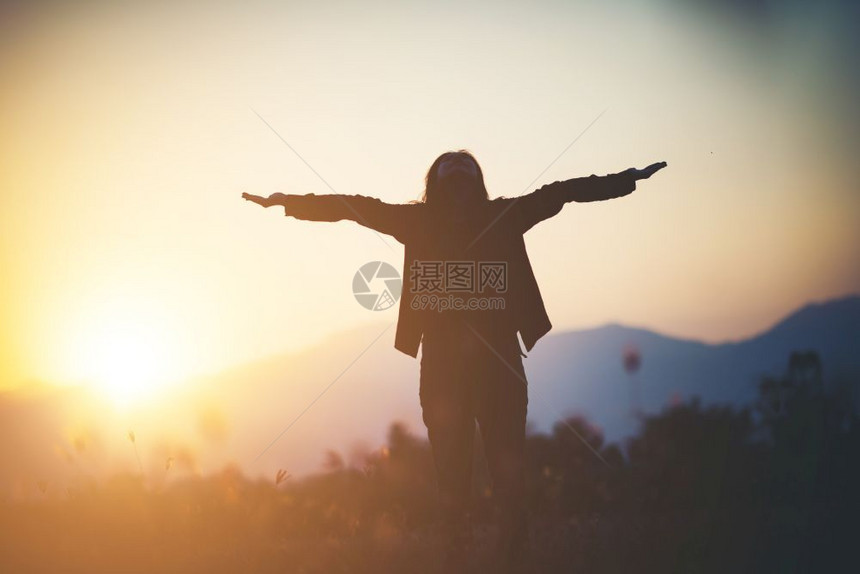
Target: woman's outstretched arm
(396,220)
(548,200)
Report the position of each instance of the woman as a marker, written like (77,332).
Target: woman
(469,292)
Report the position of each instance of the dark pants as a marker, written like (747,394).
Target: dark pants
(463,380)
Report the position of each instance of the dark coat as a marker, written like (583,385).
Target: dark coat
(496,233)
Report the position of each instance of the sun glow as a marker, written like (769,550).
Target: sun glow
(128,353)
(129,365)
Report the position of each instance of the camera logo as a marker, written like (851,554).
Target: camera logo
(377,286)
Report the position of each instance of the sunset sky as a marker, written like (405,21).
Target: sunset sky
(128,134)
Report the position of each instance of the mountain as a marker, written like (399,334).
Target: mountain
(583,370)
(342,394)
(569,372)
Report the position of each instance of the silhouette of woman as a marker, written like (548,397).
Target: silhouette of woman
(470,291)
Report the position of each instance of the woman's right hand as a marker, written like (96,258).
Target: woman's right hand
(274,199)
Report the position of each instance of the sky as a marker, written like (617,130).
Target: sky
(129,131)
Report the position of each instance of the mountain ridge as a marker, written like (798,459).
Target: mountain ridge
(573,371)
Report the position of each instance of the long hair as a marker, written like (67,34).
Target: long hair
(431,180)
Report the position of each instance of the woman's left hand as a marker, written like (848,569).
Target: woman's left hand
(645,173)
